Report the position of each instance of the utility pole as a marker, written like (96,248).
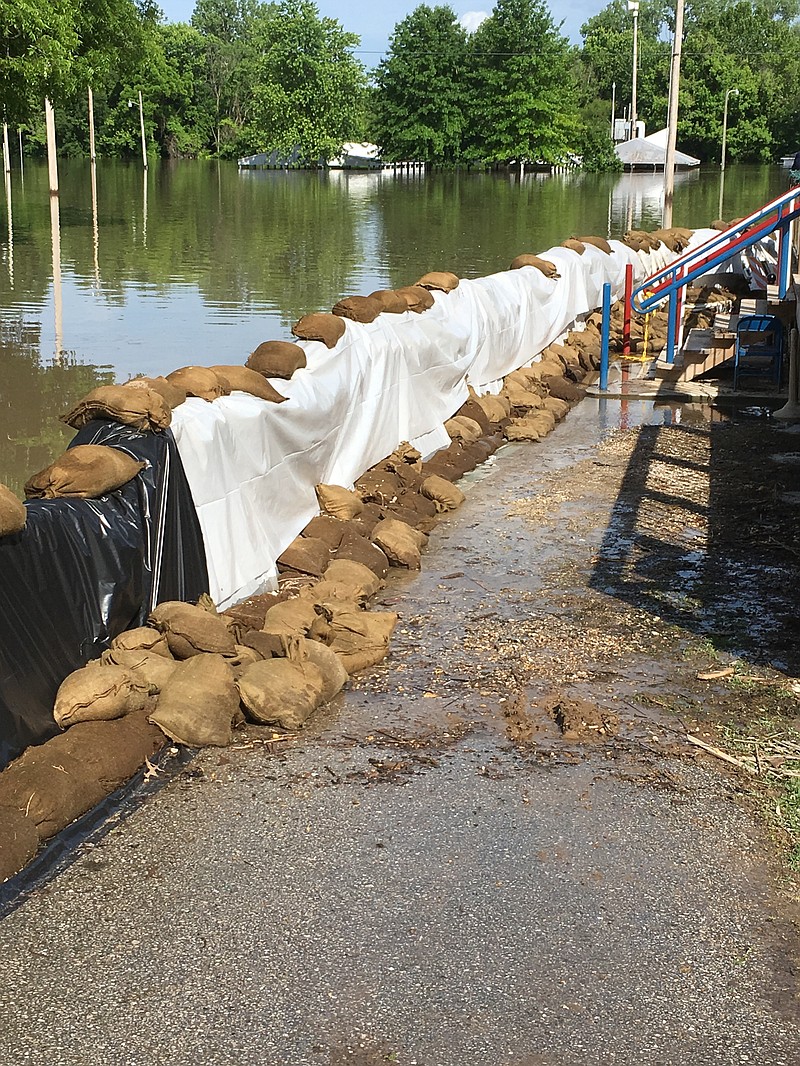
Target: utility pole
(672,120)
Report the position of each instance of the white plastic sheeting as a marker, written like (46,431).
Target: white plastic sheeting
(252,465)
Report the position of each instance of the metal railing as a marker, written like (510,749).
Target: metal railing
(670,282)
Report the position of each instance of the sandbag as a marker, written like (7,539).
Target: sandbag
(356,576)
(276,359)
(404,458)
(305,555)
(13,513)
(320,327)
(597,242)
(148,669)
(361,550)
(19,841)
(550,270)
(292,618)
(50,791)
(462,428)
(199,381)
(96,693)
(339,502)
(521,398)
(495,408)
(380,486)
(85,472)
(558,408)
(574,245)
(443,280)
(242,379)
(191,630)
(401,543)
(389,301)
(110,752)
(326,528)
(141,409)
(445,495)
(417,298)
(283,692)
(361,638)
(266,645)
(329,664)
(475,412)
(143,638)
(172,394)
(199,703)
(563,389)
(357,308)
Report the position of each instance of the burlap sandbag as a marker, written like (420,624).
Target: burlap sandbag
(283,692)
(171,393)
(293,618)
(496,408)
(242,379)
(331,592)
(190,630)
(389,301)
(413,500)
(85,472)
(19,841)
(563,389)
(13,513)
(305,555)
(550,270)
(597,242)
(142,409)
(361,638)
(199,703)
(462,428)
(111,752)
(339,502)
(528,428)
(51,790)
(276,359)
(520,398)
(150,670)
(417,298)
(558,408)
(326,528)
(573,245)
(97,692)
(474,411)
(199,381)
(443,280)
(361,550)
(401,543)
(143,638)
(329,664)
(356,576)
(404,458)
(357,308)
(379,486)
(445,495)
(267,645)
(320,327)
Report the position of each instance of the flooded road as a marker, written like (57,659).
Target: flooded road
(497,847)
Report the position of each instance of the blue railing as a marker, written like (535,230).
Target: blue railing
(671,281)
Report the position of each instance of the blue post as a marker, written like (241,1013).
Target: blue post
(672,322)
(784,260)
(606,333)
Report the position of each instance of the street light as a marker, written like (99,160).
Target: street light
(633,7)
(728,94)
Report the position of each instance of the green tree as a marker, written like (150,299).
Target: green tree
(421,89)
(308,89)
(523,97)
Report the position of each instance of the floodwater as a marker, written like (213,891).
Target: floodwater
(198,262)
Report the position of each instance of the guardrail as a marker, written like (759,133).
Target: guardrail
(670,282)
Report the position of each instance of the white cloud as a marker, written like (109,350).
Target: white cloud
(472,19)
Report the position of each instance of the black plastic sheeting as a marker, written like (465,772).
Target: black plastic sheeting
(82,571)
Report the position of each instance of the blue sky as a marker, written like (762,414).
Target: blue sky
(375,20)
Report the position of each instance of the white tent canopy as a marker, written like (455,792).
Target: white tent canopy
(651,152)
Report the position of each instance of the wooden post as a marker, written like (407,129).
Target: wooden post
(672,120)
(92,152)
(52,159)
(141,124)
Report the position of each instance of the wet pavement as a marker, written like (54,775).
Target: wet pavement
(435,873)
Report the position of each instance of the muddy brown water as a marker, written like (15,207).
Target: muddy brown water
(495,847)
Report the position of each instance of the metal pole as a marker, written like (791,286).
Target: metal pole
(672,122)
(141,123)
(606,332)
(613,107)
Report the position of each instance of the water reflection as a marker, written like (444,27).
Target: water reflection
(197,262)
